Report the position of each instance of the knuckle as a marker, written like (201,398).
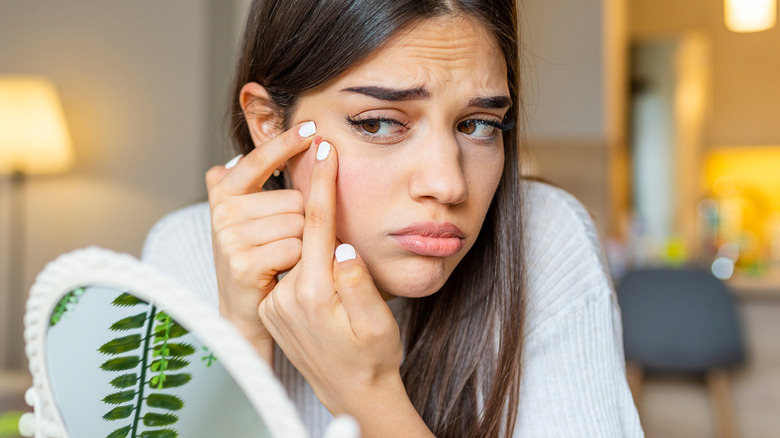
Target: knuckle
(316,216)
(296,223)
(220,214)
(212,175)
(283,305)
(296,246)
(226,239)
(307,296)
(350,277)
(375,331)
(215,194)
(239,266)
(297,200)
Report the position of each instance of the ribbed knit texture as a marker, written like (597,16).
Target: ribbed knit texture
(573,379)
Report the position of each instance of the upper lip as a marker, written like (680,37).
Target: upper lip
(431,229)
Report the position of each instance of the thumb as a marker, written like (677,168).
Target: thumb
(366,309)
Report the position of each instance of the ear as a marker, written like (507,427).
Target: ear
(260,113)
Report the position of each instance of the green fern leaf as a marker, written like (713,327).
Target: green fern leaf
(119,397)
(121,345)
(151,419)
(163,433)
(173,364)
(120,433)
(121,363)
(131,322)
(127,300)
(125,380)
(164,401)
(172,380)
(175,350)
(119,412)
(176,331)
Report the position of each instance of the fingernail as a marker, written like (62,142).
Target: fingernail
(323,151)
(232,163)
(344,252)
(307,130)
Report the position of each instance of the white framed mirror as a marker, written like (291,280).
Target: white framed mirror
(117,349)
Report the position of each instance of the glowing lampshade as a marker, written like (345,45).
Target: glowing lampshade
(33,135)
(750,15)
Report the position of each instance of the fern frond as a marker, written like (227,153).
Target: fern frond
(176,331)
(171,364)
(209,357)
(67,303)
(121,363)
(171,380)
(162,433)
(119,397)
(175,350)
(125,381)
(127,300)
(119,433)
(129,323)
(121,345)
(164,401)
(119,412)
(152,419)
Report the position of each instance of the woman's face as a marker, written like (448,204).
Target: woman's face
(420,150)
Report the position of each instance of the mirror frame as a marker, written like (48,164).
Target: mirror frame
(101,267)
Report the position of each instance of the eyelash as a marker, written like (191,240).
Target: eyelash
(357,122)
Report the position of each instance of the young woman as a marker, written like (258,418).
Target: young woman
(393,267)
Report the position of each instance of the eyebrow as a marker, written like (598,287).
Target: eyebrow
(421,93)
(392,94)
(491,102)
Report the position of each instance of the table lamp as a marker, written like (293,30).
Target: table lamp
(34,140)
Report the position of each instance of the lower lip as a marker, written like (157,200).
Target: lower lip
(430,246)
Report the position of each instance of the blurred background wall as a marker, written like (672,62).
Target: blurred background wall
(143,85)
(659,119)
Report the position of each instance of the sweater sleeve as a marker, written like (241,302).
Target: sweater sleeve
(179,245)
(573,380)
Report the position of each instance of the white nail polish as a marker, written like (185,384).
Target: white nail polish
(323,151)
(345,251)
(232,163)
(307,130)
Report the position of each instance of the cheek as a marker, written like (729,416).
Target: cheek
(360,199)
(483,175)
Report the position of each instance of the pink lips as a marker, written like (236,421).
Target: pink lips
(430,239)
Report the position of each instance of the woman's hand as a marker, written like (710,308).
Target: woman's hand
(333,325)
(255,234)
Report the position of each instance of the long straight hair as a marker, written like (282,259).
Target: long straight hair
(463,343)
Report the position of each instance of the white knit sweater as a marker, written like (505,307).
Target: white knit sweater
(573,380)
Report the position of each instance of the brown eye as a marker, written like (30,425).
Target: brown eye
(371,126)
(467,127)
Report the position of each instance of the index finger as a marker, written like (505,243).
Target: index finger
(253,170)
(319,229)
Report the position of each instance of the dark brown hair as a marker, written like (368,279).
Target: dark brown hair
(462,363)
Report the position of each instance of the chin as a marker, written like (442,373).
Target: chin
(413,279)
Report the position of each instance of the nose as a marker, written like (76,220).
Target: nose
(438,172)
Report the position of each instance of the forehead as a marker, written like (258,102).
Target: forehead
(437,53)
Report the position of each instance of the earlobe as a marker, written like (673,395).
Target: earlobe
(260,112)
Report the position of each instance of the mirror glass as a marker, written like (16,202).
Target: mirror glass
(122,367)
